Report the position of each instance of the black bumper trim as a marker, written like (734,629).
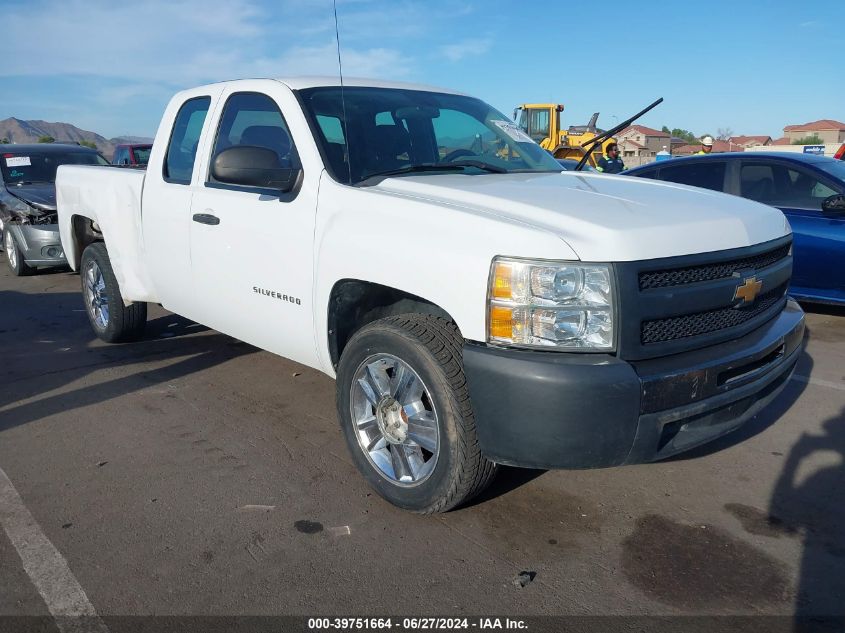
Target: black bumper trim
(563,410)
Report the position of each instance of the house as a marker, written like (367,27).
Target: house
(828,130)
(750,141)
(639,140)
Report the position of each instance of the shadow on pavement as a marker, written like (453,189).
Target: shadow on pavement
(47,343)
(807,501)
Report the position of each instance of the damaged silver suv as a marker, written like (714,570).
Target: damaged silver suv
(28,202)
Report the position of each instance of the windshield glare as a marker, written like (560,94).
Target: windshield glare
(390,129)
(33,166)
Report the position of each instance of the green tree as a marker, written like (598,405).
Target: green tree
(46,139)
(90,144)
(813,139)
(688,136)
(5,140)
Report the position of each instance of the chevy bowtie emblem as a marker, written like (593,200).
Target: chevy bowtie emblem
(748,290)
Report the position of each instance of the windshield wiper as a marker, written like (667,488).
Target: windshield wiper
(423,167)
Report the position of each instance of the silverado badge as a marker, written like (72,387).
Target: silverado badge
(748,290)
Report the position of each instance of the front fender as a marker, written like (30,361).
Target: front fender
(441,253)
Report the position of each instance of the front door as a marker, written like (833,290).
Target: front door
(251,248)
(818,239)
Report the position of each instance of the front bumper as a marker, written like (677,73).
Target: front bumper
(39,244)
(560,410)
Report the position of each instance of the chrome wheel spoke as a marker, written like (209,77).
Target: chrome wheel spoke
(378,378)
(401,464)
(369,393)
(423,436)
(402,383)
(367,423)
(377,443)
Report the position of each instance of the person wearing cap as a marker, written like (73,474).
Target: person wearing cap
(706,145)
(611,164)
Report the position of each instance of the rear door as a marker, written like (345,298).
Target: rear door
(169,185)
(252,248)
(819,240)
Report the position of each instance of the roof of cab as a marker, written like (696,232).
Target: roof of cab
(314,81)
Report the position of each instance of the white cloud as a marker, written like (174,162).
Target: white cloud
(467,48)
(183,43)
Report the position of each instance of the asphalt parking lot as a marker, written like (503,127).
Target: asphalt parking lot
(192,474)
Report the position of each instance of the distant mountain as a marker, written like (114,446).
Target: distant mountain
(20,131)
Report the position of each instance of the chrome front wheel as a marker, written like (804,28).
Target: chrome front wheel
(395,420)
(11,250)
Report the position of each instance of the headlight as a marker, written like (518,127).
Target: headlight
(565,305)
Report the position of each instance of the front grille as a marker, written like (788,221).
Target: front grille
(710,272)
(674,328)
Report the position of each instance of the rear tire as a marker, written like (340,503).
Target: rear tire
(17,265)
(112,321)
(405,412)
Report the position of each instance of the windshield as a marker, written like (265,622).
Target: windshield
(835,168)
(391,129)
(35,166)
(142,155)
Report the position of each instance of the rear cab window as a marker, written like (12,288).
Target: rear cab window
(184,140)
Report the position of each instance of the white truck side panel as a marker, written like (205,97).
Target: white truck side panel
(111,197)
(437,252)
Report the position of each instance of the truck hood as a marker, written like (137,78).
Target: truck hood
(41,195)
(603,217)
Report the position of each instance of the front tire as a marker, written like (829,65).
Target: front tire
(14,256)
(113,321)
(405,412)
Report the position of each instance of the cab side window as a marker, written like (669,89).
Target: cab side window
(184,139)
(708,175)
(254,119)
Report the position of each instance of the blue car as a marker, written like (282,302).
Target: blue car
(810,190)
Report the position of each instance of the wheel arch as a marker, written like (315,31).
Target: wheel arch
(84,232)
(353,303)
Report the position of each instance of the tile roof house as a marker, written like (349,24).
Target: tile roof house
(828,130)
(639,140)
(750,141)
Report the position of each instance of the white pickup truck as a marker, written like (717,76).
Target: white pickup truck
(476,304)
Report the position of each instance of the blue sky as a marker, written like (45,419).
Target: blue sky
(751,66)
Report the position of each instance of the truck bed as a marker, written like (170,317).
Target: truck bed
(111,198)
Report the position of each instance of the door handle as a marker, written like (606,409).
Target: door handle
(206,218)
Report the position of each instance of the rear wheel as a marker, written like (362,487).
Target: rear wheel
(113,321)
(406,415)
(13,255)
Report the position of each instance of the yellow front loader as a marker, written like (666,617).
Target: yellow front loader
(541,121)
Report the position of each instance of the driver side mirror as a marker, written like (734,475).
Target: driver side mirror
(252,166)
(834,205)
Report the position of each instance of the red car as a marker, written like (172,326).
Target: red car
(134,155)
(840,153)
